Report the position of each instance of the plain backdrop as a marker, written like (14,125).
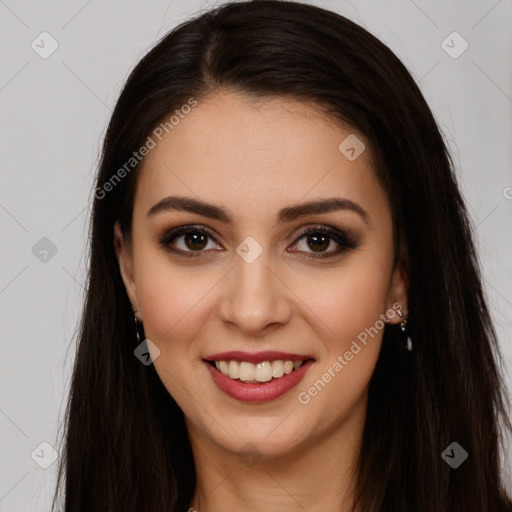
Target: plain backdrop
(54,112)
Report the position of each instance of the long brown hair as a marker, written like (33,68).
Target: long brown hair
(126,445)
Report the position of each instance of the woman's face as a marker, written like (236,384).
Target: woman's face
(246,279)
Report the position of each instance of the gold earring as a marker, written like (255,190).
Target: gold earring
(403,324)
(136,325)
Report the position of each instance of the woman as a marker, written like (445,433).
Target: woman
(276,209)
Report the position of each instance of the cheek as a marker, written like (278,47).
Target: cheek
(172,306)
(352,311)
(350,303)
(352,299)
(170,296)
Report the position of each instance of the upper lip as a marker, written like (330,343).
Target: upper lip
(256,357)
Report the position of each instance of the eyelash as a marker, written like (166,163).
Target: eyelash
(345,240)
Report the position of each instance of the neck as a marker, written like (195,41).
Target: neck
(318,476)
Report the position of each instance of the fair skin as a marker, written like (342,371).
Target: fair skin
(253,159)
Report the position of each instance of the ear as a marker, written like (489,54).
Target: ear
(398,292)
(125,261)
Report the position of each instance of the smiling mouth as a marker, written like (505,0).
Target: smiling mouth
(257,373)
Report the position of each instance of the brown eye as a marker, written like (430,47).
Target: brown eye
(318,243)
(195,240)
(191,241)
(188,241)
(319,239)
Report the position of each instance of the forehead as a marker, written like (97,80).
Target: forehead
(254,155)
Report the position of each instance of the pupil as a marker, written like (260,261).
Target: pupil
(194,239)
(323,245)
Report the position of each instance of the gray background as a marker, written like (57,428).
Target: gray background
(54,113)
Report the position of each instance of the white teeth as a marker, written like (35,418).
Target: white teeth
(260,372)
(288,367)
(246,371)
(234,369)
(277,369)
(263,372)
(224,367)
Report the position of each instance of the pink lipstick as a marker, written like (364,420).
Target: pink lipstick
(277,383)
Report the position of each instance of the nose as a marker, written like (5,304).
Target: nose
(254,297)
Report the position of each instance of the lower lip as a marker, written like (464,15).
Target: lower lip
(263,392)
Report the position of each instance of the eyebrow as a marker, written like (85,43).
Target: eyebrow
(286,214)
